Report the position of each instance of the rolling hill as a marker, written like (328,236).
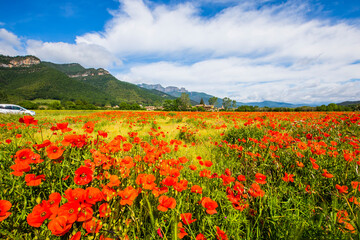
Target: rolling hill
(27,78)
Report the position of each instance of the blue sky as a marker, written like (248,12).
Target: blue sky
(249,50)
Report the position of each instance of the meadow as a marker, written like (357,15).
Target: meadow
(180,175)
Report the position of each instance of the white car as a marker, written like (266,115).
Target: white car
(14,109)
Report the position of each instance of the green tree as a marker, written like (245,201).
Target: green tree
(226,103)
(184,102)
(234,104)
(170,105)
(3,97)
(202,101)
(213,100)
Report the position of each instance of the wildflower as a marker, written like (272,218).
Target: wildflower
(59,226)
(92,226)
(70,210)
(39,214)
(33,180)
(196,189)
(76,236)
(209,204)
(114,181)
(128,195)
(104,210)
(288,177)
(158,231)
(256,191)
(186,218)
(54,152)
(77,194)
(85,213)
(93,195)
(181,185)
(147,181)
(28,120)
(89,127)
(102,133)
(200,236)
(260,178)
(83,175)
(182,233)
(241,178)
(165,203)
(4,208)
(327,174)
(341,189)
(221,235)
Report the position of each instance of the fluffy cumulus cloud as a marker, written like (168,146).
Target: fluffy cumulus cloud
(244,52)
(10,44)
(248,51)
(88,55)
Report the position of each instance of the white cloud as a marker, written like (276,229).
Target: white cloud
(10,44)
(88,55)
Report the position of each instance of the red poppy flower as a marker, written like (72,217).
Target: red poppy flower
(186,218)
(166,203)
(241,178)
(83,175)
(327,174)
(196,189)
(59,226)
(70,210)
(33,180)
(4,208)
(209,204)
(54,152)
(39,214)
(93,195)
(220,234)
(288,177)
(89,127)
(181,185)
(104,210)
(169,181)
(200,236)
(28,120)
(256,191)
(92,226)
(128,195)
(85,212)
(260,178)
(63,127)
(158,191)
(77,236)
(147,181)
(77,194)
(114,181)
(102,133)
(182,233)
(341,189)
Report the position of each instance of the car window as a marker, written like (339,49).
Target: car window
(2,107)
(8,107)
(16,108)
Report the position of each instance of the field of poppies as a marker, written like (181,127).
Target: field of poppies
(185,175)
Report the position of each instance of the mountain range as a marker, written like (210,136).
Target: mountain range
(28,78)
(197,96)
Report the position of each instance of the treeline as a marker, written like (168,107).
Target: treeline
(332,107)
(77,105)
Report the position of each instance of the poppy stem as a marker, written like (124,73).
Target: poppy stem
(175,233)
(150,211)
